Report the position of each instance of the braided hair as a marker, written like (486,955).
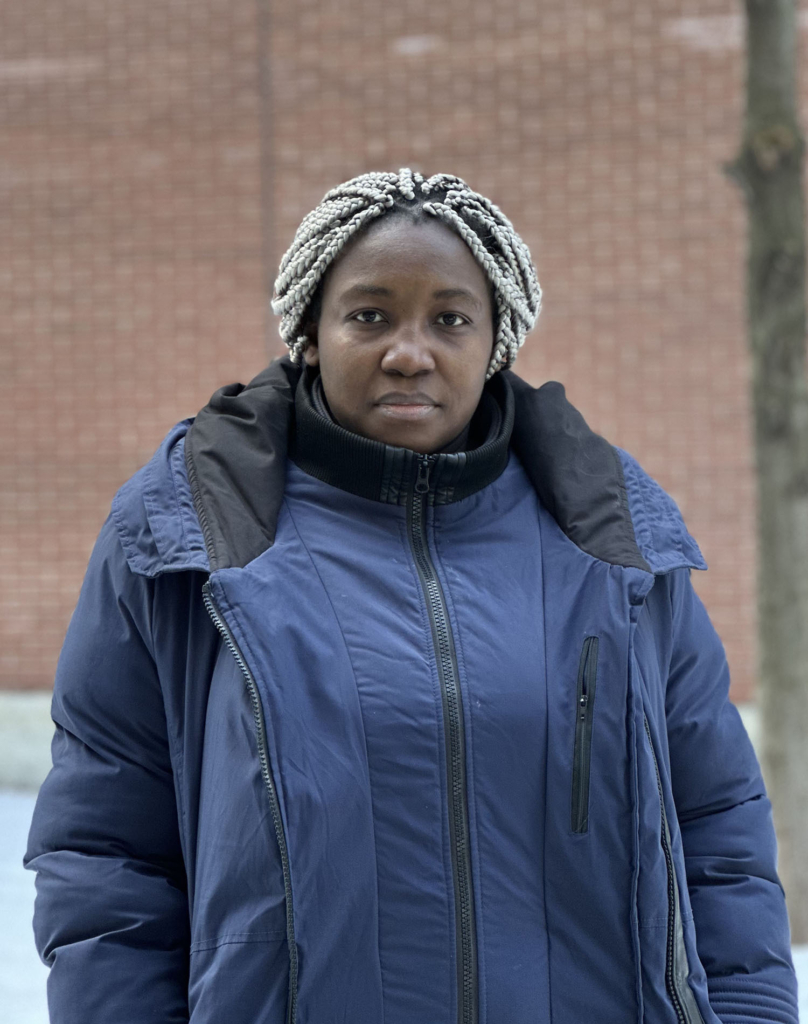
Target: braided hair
(350,207)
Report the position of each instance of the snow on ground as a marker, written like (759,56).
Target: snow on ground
(801,964)
(22,975)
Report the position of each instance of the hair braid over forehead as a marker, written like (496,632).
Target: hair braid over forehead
(350,207)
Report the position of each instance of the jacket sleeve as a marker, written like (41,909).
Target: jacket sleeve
(111,912)
(726,827)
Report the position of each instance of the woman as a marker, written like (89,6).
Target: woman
(388,698)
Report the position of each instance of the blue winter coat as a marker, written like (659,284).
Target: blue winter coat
(282,787)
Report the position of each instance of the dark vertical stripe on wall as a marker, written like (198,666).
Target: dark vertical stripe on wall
(263,51)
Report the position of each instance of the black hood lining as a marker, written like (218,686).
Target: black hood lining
(235,451)
(237,447)
(577,474)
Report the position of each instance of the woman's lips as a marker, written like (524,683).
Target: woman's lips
(406,407)
(406,412)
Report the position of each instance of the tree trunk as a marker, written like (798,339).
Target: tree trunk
(769,169)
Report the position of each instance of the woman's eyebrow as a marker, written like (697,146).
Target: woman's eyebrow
(357,290)
(457,293)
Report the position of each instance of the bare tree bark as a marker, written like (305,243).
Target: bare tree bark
(769,169)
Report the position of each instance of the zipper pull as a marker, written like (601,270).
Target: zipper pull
(584,700)
(424,466)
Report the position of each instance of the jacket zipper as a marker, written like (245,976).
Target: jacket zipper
(682,998)
(446,657)
(269,784)
(581,758)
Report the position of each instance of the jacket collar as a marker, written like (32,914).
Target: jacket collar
(237,447)
(381,472)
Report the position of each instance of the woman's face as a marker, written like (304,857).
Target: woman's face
(405,334)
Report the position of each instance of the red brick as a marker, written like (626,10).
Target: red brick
(137,252)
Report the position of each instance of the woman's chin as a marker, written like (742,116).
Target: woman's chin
(419,432)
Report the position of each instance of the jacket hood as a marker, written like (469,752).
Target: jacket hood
(210,497)
(155,516)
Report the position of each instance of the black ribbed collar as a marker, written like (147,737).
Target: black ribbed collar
(381,472)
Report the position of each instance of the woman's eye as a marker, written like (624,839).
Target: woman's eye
(451,319)
(369,316)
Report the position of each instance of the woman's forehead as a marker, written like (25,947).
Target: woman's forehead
(391,253)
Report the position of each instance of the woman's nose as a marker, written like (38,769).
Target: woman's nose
(409,352)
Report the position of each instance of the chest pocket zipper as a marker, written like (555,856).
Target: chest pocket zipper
(581,757)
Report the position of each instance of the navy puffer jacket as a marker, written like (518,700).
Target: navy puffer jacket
(347,734)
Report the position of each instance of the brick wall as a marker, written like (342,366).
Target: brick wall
(157,157)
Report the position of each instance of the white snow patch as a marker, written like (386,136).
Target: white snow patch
(38,69)
(715,32)
(414,46)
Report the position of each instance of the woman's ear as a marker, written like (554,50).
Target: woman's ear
(311,354)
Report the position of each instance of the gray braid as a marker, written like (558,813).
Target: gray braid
(350,207)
